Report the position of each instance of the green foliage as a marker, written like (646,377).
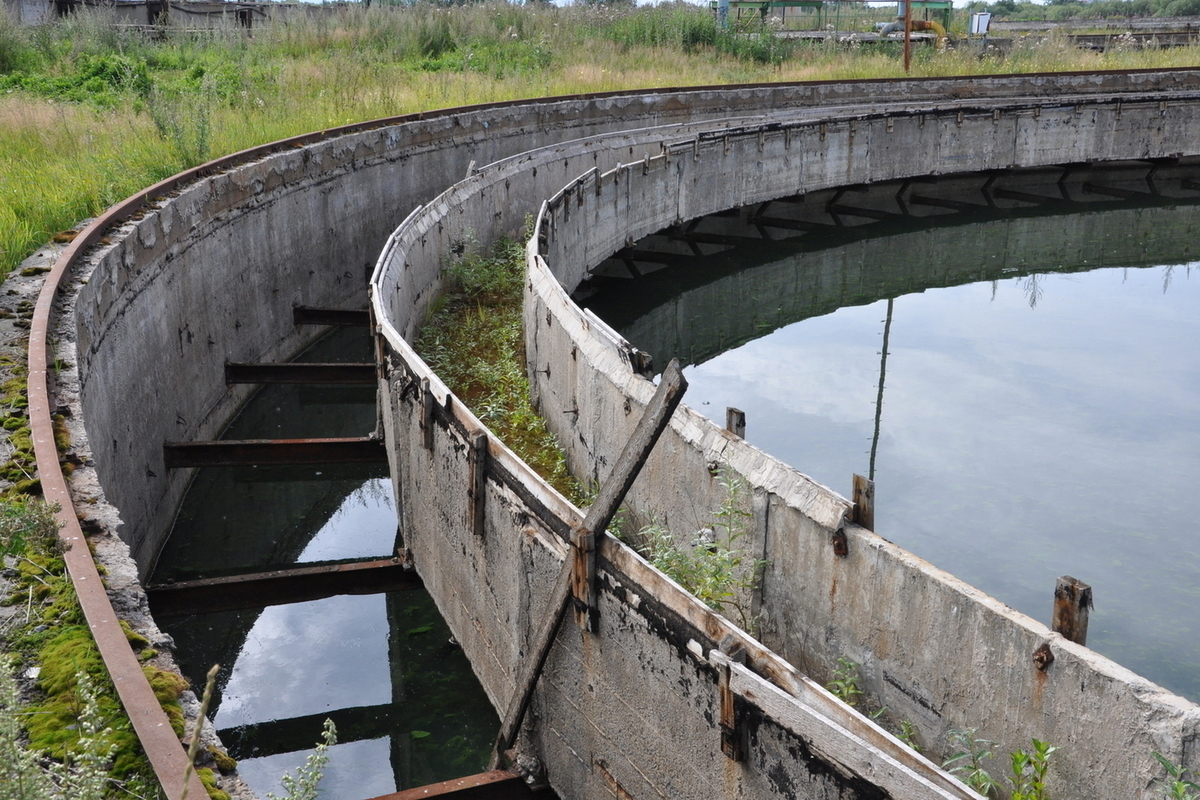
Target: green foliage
(1029,769)
(28,525)
(712,568)
(304,785)
(966,760)
(83,772)
(1176,785)
(473,341)
(845,684)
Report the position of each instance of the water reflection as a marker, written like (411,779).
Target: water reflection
(1039,418)
(407,706)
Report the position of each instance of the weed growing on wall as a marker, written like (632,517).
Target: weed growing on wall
(1029,769)
(83,775)
(968,752)
(1176,785)
(712,567)
(473,342)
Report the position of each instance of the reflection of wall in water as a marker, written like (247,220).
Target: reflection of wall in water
(698,322)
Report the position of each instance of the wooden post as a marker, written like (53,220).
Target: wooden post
(478,459)
(735,422)
(1072,599)
(864,502)
(907,35)
(427,413)
(579,570)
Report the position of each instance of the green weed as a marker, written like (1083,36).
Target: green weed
(845,683)
(1176,785)
(968,752)
(473,341)
(1029,769)
(712,567)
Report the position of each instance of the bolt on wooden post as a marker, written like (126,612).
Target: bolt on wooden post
(1072,599)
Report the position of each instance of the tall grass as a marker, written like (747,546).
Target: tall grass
(90,113)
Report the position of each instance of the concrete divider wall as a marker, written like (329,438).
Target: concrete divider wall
(209,271)
(634,708)
(935,651)
(224,259)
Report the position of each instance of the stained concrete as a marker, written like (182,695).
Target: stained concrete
(210,272)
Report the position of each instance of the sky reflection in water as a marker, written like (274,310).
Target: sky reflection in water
(1019,442)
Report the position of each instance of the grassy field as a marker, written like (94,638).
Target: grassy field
(89,114)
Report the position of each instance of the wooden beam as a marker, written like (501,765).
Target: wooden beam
(574,573)
(274,452)
(735,421)
(281,586)
(301,372)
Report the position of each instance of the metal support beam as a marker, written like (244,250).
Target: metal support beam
(301,372)
(281,586)
(493,785)
(308,315)
(578,572)
(274,452)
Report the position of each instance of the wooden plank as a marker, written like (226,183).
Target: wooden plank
(1072,600)
(300,372)
(310,315)
(281,586)
(653,422)
(274,452)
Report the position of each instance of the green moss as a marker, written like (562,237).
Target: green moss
(209,779)
(167,687)
(225,762)
(12,423)
(136,640)
(62,438)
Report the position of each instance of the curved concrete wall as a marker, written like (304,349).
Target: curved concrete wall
(209,271)
(936,651)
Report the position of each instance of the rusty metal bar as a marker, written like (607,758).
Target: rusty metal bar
(301,372)
(281,586)
(274,452)
(309,315)
(494,785)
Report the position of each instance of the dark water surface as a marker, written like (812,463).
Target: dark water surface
(1040,413)
(408,709)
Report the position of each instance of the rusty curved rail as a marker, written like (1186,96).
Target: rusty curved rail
(150,722)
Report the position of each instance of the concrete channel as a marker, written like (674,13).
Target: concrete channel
(665,698)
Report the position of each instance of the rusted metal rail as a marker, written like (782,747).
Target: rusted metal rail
(274,452)
(281,586)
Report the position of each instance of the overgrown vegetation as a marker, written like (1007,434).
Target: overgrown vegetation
(90,113)
(473,342)
(712,567)
(1029,769)
(74,689)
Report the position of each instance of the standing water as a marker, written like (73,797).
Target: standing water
(383,667)
(1037,411)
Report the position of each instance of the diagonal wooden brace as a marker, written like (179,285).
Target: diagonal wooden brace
(579,571)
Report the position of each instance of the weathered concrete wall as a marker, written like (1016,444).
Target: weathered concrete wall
(211,271)
(935,650)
